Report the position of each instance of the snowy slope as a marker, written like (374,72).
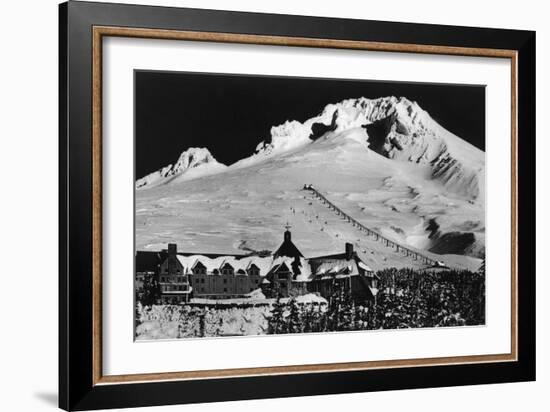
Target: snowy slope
(409,193)
(192,163)
(396,128)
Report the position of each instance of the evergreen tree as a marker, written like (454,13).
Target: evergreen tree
(295,321)
(481,269)
(138,314)
(202,323)
(322,319)
(151,291)
(335,310)
(360,320)
(276,322)
(308,318)
(347,313)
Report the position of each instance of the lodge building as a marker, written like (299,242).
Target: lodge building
(286,273)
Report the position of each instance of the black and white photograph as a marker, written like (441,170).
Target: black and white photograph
(279,205)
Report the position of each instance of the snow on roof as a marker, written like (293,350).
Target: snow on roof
(303,266)
(237,263)
(305,274)
(336,267)
(363,266)
(308,268)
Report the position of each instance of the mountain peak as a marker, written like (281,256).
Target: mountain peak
(192,163)
(193,157)
(396,128)
(342,116)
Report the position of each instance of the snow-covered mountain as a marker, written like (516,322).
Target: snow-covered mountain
(384,161)
(192,163)
(397,129)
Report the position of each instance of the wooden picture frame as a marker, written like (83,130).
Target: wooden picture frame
(82,27)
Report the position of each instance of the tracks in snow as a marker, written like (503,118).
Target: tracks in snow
(403,250)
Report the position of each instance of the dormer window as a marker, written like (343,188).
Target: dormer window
(227,269)
(254,270)
(199,269)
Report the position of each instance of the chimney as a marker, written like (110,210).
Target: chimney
(349,251)
(172,249)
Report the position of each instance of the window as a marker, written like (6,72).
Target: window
(225,289)
(227,269)
(225,281)
(202,280)
(199,269)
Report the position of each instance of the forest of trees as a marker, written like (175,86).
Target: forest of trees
(406,299)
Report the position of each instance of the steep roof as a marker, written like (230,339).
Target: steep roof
(357,261)
(288,248)
(300,267)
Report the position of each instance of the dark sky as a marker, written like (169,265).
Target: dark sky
(231,114)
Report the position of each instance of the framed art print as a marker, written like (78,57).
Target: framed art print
(259,205)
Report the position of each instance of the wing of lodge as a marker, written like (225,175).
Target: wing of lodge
(285,273)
